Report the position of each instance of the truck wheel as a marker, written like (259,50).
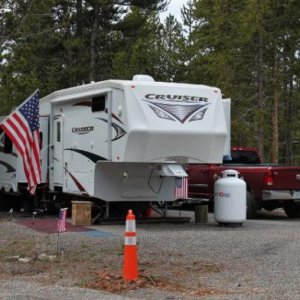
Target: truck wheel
(251,208)
(292,210)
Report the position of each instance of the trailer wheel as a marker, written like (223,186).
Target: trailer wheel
(251,207)
(292,210)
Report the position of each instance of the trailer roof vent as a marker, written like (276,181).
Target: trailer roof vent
(142,78)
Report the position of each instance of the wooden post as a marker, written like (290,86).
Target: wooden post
(201,213)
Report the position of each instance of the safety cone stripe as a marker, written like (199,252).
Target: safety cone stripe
(130,225)
(130,241)
(130,233)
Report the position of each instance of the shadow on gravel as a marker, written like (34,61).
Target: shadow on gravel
(271,215)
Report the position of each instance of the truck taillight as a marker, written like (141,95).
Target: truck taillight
(268,179)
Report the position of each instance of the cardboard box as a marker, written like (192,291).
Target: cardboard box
(81,212)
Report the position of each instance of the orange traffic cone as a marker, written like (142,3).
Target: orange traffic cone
(130,266)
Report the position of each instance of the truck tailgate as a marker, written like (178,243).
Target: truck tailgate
(286,178)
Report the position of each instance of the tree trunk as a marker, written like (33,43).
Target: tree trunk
(288,124)
(260,98)
(79,18)
(93,49)
(275,112)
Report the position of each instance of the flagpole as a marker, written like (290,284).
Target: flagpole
(33,217)
(57,246)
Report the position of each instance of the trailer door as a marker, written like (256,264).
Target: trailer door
(44,143)
(58,159)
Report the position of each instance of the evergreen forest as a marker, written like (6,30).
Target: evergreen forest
(250,49)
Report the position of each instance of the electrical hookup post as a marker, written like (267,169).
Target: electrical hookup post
(61,227)
(34,214)
(11,213)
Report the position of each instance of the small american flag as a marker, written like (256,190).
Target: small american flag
(61,222)
(181,187)
(23,128)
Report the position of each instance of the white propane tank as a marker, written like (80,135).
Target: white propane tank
(230,198)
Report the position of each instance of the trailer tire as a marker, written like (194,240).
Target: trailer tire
(292,210)
(251,207)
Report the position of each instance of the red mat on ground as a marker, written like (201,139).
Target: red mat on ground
(50,225)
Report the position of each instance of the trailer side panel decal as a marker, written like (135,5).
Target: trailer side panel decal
(78,184)
(180,112)
(92,156)
(120,132)
(10,169)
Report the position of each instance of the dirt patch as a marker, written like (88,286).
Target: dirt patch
(114,283)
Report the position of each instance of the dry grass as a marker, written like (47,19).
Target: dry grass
(114,283)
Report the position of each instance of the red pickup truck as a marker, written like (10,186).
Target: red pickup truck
(268,186)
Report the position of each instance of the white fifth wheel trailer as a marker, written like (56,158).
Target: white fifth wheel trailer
(121,141)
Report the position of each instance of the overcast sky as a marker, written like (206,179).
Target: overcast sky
(174,9)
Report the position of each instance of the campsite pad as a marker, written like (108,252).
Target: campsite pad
(49,225)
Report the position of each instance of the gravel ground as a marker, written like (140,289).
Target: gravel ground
(259,260)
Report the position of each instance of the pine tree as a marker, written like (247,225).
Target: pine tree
(172,43)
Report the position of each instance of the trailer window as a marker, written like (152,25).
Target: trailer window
(7,144)
(98,103)
(41,140)
(58,133)
(243,157)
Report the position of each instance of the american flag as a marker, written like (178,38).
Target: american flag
(181,187)
(61,222)
(23,128)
